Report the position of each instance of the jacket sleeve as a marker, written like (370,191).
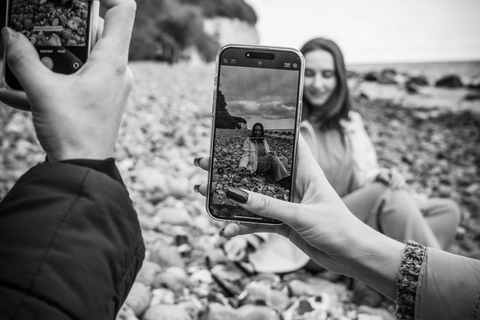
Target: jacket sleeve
(70,245)
(448,287)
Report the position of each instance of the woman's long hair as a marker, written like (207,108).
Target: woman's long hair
(340,99)
(262,135)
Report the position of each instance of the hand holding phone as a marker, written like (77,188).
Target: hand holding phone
(257,111)
(62,31)
(76,116)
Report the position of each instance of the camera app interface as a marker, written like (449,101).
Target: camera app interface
(51,22)
(254,135)
(57,28)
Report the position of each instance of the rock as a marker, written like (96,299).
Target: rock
(166,312)
(449,81)
(217,311)
(166,255)
(162,296)
(139,298)
(148,273)
(180,187)
(174,278)
(300,288)
(472,96)
(175,216)
(418,81)
(126,313)
(151,179)
(252,312)
(231,31)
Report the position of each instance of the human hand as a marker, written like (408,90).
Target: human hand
(317,224)
(392,178)
(77,115)
(321,225)
(236,249)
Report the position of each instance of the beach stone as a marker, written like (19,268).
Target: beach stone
(300,288)
(166,255)
(449,81)
(151,179)
(139,298)
(179,187)
(253,312)
(148,273)
(126,313)
(175,216)
(217,311)
(166,312)
(418,81)
(162,296)
(174,278)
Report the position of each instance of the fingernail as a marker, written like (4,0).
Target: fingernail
(237,195)
(8,35)
(196,188)
(220,233)
(196,161)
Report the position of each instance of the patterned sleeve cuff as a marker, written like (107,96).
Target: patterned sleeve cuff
(412,259)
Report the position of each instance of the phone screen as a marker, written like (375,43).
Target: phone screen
(59,30)
(255,128)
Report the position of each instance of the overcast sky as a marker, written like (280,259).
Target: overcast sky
(255,95)
(375,31)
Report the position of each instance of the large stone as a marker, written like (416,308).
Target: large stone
(253,312)
(166,312)
(178,216)
(166,255)
(217,311)
(450,81)
(148,273)
(139,298)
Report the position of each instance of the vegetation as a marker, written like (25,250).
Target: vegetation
(165,30)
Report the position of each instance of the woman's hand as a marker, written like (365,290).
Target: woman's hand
(78,115)
(392,178)
(236,249)
(318,224)
(322,227)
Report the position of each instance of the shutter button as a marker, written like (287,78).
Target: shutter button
(47,62)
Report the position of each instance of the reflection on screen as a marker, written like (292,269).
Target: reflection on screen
(254,135)
(51,22)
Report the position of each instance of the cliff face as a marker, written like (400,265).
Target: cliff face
(231,31)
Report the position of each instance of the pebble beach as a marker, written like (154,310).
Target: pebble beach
(185,275)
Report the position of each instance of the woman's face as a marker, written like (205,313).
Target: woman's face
(320,79)
(257,131)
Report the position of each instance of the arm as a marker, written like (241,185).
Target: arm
(322,227)
(70,240)
(448,287)
(72,235)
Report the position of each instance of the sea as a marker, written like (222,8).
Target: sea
(466,70)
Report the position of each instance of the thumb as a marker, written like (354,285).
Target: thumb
(22,58)
(263,205)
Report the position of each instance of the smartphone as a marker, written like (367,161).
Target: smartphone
(62,31)
(257,105)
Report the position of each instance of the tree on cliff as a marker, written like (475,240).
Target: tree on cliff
(223,119)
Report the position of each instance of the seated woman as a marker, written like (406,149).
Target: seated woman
(257,157)
(341,146)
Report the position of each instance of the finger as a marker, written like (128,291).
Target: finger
(117,31)
(15,99)
(201,188)
(232,230)
(23,60)
(202,162)
(100,27)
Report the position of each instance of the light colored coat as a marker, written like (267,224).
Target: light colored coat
(249,158)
